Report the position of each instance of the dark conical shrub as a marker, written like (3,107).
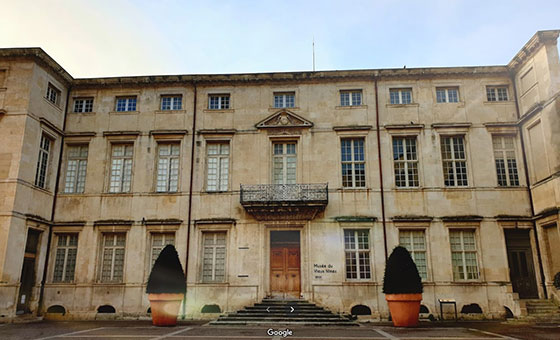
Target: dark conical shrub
(401,275)
(167,275)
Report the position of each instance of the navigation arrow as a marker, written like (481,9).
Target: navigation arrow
(292,309)
(267,309)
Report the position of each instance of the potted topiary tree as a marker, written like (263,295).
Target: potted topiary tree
(166,287)
(402,286)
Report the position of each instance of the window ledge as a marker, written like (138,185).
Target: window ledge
(353,189)
(349,107)
(358,282)
(46,191)
(82,113)
(407,188)
(219,110)
(402,105)
(274,109)
(215,284)
(53,104)
(124,194)
(167,193)
(463,188)
(124,112)
(170,111)
(216,192)
(109,284)
(502,102)
(458,104)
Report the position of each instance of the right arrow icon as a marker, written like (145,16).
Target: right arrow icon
(292,309)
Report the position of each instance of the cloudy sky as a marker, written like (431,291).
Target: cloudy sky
(134,37)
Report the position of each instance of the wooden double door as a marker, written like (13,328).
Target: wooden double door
(520,260)
(285,268)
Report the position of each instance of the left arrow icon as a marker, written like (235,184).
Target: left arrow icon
(267,309)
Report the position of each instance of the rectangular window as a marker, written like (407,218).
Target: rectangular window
(284,99)
(463,255)
(454,161)
(159,241)
(121,167)
(43,162)
(400,96)
(218,102)
(356,248)
(126,104)
(405,160)
(171,103)
(65,260)
(218,166)
(497,93)
(53,94)
(76,167)
(168,167)
(112,261)
(447,94)
(353,163)
(82,105)
(214,257)
(415,242)
(506,164)
(351,98)
(284,163)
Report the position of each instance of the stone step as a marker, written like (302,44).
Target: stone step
(300,323)
(283,318)
(276,308)
(544,309)
(288,315)
(306,304)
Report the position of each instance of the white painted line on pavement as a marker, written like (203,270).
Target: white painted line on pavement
(385,334)
(494,334)
(72,333)
(172,333)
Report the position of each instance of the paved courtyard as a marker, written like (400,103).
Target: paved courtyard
(141,330)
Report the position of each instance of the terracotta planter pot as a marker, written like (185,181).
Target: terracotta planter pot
(404,309)
(165,308)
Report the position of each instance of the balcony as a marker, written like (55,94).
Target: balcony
(274,202)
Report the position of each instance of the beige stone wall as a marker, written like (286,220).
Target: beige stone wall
(27,116)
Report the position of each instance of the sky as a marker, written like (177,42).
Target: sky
(125,38)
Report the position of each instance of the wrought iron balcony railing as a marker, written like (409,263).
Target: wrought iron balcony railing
(284,193)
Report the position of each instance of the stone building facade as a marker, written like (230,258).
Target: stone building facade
(279,184)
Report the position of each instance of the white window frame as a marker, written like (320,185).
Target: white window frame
(463,251)
(355,98)
(447,98)
(454,160)
(83,105)
(168,167)
(400,95)
(286,159)
(175,102)
(357,251)
(214,252)
(43,162)
(75,179)
(353,162)
(113,247)
(281,100)
(118,177)
(223,101)
(412,247)
(408,164)
(510,170)
(130,104)
(168,237)
(53,94)
(223,165)
(66,248)
(493,93)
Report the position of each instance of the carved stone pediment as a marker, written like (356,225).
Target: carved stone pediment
(283,119)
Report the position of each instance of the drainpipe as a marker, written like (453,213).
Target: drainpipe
(380,168)
(40,306)
(190,193)
(528,183)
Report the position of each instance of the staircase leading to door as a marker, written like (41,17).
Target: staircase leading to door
(274,311)
(542,310)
